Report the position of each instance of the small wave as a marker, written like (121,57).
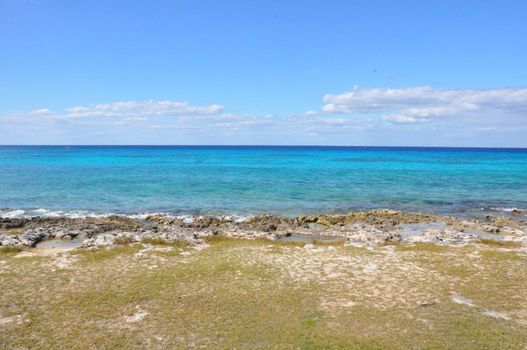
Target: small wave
(236,218)
(45,213)
(142,216)
(510,210)
(83,214)
(187,219)
(13,214)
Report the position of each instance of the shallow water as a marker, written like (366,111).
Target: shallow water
(57,243)
(81,181)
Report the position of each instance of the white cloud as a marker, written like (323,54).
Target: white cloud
(142,108)
(494,117)
(310,113)
(177,122)
(41,111)
(400,119)
(78,110)
(417,104)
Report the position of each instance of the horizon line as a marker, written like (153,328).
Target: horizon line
(242,145)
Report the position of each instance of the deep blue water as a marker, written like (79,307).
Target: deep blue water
(251,180)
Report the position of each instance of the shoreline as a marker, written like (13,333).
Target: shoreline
(379,280)
(38,212)
(360,228)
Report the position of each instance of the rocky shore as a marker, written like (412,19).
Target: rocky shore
(369,228)
(375,280)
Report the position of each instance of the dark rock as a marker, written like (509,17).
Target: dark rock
(270,227)
(7,223)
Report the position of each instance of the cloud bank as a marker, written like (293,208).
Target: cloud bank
(376,116)
(142,108)
(419,104)
(169,122)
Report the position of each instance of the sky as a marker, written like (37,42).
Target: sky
(385,73)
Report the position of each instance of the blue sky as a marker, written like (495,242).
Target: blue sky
(429,73)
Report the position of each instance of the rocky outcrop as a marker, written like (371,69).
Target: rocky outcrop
(367,235)
(444,236)
(8,223)
(356,228)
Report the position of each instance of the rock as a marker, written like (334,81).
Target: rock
(270,227)
(31,238)
(17,319)
(9,223)
(161,219)
(368,228)
(99,241)
(10,241)
(136,317)
(444,236)
(367,235)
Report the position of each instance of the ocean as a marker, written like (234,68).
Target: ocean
(249,180)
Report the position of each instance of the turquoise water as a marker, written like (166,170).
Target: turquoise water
(252,180)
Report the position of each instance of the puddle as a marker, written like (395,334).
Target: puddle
(485,235)
(299,237)
(412,230)
(316,226)
(57,243)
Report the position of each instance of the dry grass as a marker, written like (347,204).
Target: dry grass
(221,239)
(100,254)
(163,242)
(10,250)
(496,243)
(333,243)
(235,294)
(423,247)
(123,240)
(278,243)
(12,231)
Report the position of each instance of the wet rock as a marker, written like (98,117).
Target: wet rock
(326,220)
(9,223)
(444,236)
(63,234)
(270,227)
(31,238)
(161,219)
(369,228)
(266,223)
(369,236)
(387,218)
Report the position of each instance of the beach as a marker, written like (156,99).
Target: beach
(379,279)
